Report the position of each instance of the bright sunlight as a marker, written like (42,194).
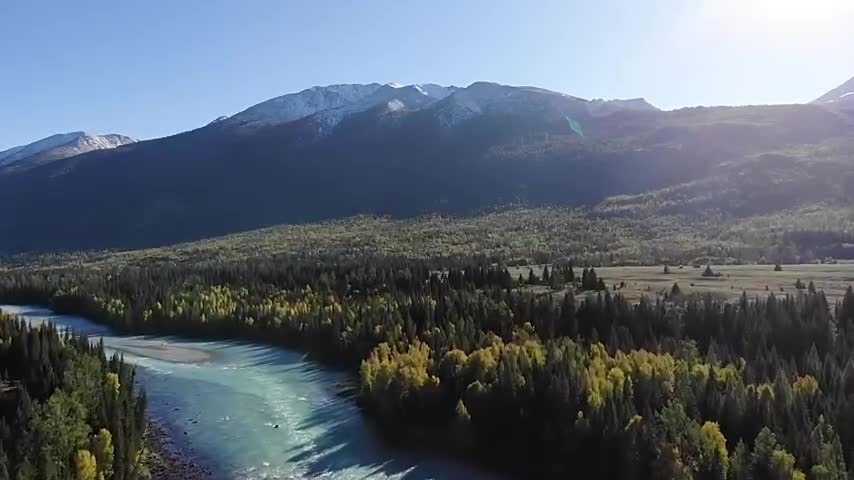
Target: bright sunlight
(782,17)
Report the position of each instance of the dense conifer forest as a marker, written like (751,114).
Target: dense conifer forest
(546,385)
(66,410)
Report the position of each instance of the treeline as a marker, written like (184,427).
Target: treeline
(548,385)
(821,244)
(66,411)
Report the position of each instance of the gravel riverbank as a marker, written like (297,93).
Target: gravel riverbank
(166,462)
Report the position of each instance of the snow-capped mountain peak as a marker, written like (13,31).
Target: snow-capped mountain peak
(17,153)
(295,106)
(59,146)
(330,104)
(327,106)
(482,97)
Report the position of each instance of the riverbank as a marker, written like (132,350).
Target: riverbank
(165,461)
(240,419)
(166,352)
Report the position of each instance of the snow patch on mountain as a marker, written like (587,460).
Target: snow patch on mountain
(393,97)
(295,106)
(88,143)
(483,97)
(843,94)
(470,102)
(17,153)
(219,119)
(60,146)
(328,106)
(395,105)
(843,98)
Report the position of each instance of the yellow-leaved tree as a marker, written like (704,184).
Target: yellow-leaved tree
(87,466)
(714,455)
(104,452)
(113,383)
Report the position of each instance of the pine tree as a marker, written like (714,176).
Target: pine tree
(556,280)
(4,463)
(532,277)
(590,282)
(568,321)
(846,311)
(739,463)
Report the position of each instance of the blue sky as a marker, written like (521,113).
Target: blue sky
(155,67)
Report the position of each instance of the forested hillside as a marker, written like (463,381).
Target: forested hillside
(66,411)
(542,385)
(530,147)
(623,231)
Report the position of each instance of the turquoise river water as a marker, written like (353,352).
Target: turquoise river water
(222,402)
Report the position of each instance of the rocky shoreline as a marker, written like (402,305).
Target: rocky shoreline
(165,461)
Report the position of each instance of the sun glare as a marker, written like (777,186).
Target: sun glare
(782,17)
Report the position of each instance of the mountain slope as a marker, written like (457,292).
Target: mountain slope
(57,147)
(841,95)
(402,151)
(294,106)
(17,153)
(331,104)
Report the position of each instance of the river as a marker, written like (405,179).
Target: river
(256,412)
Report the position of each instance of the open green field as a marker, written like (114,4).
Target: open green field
(833,279)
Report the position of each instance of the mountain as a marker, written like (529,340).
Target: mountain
(343,150)
(842,95)
(607,107)
(294,106)
(16,153)
(329,105)
(221,118)
(57,147)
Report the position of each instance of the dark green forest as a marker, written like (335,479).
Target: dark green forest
(541,385)
(66,410)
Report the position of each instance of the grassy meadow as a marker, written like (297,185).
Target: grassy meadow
(756,280)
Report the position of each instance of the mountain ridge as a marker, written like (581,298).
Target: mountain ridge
(330,104)
(57,147)
(841,95)
(402,151)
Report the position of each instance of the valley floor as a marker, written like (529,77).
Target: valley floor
(755,280)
